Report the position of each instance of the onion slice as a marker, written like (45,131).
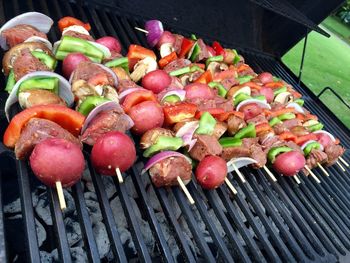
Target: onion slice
(239,162)
(261,103)
(310,141)
(104,49)
(327,133)
(160,157)
(106,106)
(64,90)
(178,92)
(40,40)
(35,19)
(296,106)
(186,133)
(126,92)
(114,76)
(155,30)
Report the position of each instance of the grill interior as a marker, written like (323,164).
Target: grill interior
(264,222)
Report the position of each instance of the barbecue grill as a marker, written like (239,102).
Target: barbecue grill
(106,221)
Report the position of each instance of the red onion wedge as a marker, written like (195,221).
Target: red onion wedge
(296,106)
(161,156)
(239,162)
(310,141)
(155,31)
(106,106)
(178,92)
(327,133)
(38,20)
(64,90)
(40,40)
(186,133)
(260,103)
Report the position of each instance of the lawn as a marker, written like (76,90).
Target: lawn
(327,63)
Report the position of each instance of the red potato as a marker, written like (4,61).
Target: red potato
(251,110)
(199,90)
(146,116)
(289,163)
(71,61)
(113,150)
(268,93)
(211,172)
(265,77)
(57,160)
(156,81)
(111,43)
(167,37)
(323,139)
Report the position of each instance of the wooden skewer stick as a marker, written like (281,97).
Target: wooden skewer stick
(141,29)
(343,161)
(229,184)
(61,196)
(312,174)
(341,167)
(269,173)
(185,190)
(296,178)
(240,175)
(119,175)
(323,170)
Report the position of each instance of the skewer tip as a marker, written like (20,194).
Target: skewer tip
(185,190)
(119,175)
(60,194)
(296,178)
(312,174)
(341,167)
(141,30)
(229,184)
(267,170)
(240,175)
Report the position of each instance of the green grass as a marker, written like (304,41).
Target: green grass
(334,24)
(327,63)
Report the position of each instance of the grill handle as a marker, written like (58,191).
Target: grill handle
(335,94)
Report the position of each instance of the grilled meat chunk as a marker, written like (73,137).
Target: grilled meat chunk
(20,33)
(333,152)
(165,172)
(234,124)
(38,130)
(88,70)
(315,156)
(220,129)
(205,145)
(176,64)
(150,137)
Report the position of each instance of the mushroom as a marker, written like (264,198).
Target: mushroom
(283,97)
(142,67)
(166,49)
(151,136)
(30,98)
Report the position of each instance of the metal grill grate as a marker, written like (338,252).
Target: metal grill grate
(265,222)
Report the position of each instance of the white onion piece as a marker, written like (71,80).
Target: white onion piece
(327,133)
(55,46)
(166,49)
(155,30)
(296,106)
(38,20)
(64,90)
(162,156)
(76,28)
(104,49)
(178,92)
(261,103)
(106,106)
(188,127)
(245,90)
(40,40)
(310,141)
(126,92)
(115,78)
(239,162)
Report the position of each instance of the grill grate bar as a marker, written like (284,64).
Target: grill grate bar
(201,206)
(85,223)
(27,212)
(107,214)
(3,251)
(132,221)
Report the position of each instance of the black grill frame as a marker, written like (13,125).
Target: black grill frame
(313,219)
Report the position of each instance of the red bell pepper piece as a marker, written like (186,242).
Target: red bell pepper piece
(137,53)
(300,140)
(137,97)
(167,59)
(213,111)
(304,118)
(219,50)
(205,78)
(275,85)
(179,112)
(295,94)
(68,21)
(243,67)
(262,128)
(287,136)
(67,118)
(186,46)
(279,112)
(252,85)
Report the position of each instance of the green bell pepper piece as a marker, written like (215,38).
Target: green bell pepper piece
(299,101)
(195,68)
(310,147)
(244,79)
(241,97)
(274,121)
(237,58)
(49,61)
(286,116)
(246,132)
(46,83)
(226,142)
(315,127)
(206,124)
(219,58)
(60,55)
(194,37)
(11,81)
(180,71)
(280,90)
(119,62)
(274,151)
(164,143)
(221,89)
(260,97)
(90,103)
(195,52)
(171,99)
(275,79)
(73,44)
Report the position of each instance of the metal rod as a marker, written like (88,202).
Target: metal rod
(303,56)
